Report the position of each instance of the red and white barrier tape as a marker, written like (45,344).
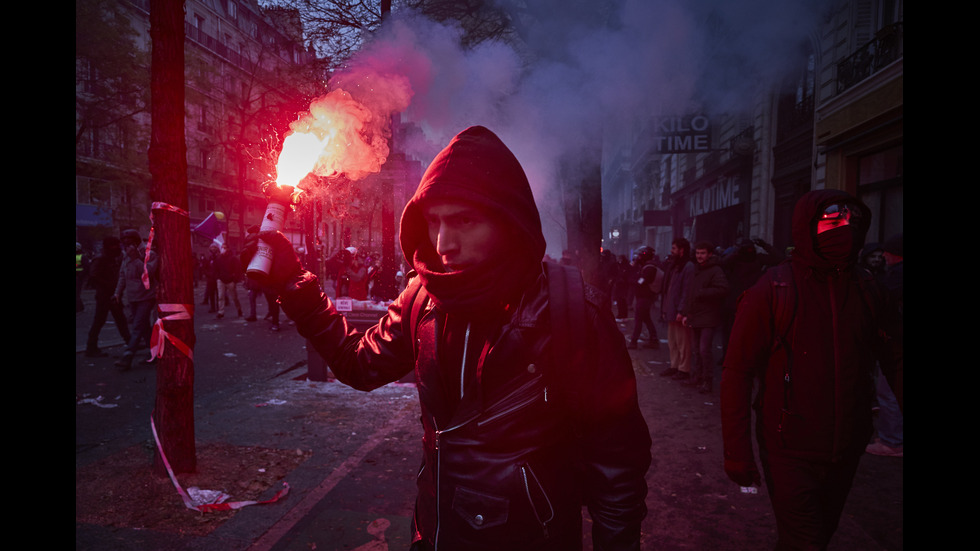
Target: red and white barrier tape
(159,337)
(217,503)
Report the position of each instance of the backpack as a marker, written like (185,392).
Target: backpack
(655,283)
(567,311)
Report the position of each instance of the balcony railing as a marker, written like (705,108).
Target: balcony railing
(886,47)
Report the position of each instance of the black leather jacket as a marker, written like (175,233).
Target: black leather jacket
(512,464)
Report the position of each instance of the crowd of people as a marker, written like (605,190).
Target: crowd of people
(692,292)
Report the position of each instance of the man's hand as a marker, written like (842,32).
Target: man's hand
(285,263)
(743,473)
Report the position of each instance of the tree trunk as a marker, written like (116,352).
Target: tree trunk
(173,412)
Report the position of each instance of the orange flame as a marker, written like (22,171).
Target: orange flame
(338,135)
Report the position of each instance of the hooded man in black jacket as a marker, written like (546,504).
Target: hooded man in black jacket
(809,331)
(508,460)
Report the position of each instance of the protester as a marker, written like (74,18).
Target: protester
(139,292)
(255,289)
(81,275)
(743,266)
(701,311)
(511,449)
(103,276)
(890,438)
(228,272)
(621,287)
(646,289)
(807,334)
(679,336)
(209,267)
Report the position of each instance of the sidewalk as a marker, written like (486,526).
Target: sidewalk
(356,488)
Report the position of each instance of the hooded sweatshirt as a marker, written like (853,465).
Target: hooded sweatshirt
(476,167)
(814,395)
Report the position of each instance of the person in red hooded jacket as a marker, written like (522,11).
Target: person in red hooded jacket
(506,463)
(808,333)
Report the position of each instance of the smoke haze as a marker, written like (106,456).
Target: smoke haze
(582,70)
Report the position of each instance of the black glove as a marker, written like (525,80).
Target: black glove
(285,264)
(743,473)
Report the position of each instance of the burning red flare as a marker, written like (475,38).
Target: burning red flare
(339,135)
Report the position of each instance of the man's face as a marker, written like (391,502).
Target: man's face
(702,255)
(463,235)
(876,259)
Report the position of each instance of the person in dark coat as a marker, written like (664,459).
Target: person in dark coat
(137,285)
(228,272)
(808,333)
(508,459)
(209,267)
(103,277)
(702,311)
(621,287)
(645,297)
(743,267)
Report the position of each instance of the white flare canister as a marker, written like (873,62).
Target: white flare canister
(273,220)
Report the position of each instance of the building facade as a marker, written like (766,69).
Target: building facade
(247,73)
(834,121)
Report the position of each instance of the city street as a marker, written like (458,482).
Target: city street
(356,487)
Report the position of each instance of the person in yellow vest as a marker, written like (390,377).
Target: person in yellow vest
(81,271)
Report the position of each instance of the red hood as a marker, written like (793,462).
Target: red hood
(476,167)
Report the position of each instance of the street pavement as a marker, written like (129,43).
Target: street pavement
(357,489)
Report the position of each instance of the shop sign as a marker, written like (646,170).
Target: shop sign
(722,194)
(687,134)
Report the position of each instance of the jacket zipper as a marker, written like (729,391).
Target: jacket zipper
(518,406)
(462,369)
(438,446)
(526,470)
(837,374)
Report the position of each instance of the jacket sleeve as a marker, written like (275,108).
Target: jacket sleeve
(683,301)
(747,357)
(364,361)
(615,444)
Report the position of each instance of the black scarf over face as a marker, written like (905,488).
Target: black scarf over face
(478,169)
(831,250)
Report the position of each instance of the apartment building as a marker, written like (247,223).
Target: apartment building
(833,120)
(247,74)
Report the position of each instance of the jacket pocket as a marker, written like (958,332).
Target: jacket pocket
(480,510)
(544,511)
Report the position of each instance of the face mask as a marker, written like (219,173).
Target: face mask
(836,245)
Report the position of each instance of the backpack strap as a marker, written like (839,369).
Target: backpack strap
(570,337)
(412,310)
(784,301)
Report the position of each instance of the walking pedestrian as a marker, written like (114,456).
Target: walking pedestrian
(228,272)
(210,266)
(512,449)
(890,435)
(807,335)
(646,289)
(104,275)
(139,293)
